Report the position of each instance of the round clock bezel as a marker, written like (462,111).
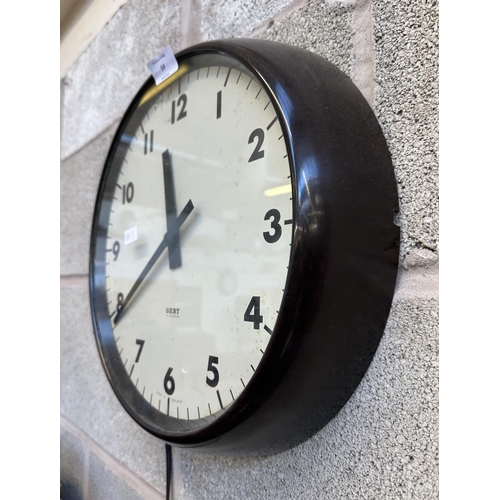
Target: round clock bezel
(181,431)
(344,249)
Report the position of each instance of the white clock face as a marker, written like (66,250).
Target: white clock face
(197,224)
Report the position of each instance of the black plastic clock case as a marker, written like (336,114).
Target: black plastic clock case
(342,269)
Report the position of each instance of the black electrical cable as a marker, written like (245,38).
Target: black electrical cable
(168,451)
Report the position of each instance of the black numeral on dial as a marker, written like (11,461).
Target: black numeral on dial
(219,104)
(119,301)
(275,215)
(116,249)
(182,103)
(128,193)
(152,135)
(258,134)
(212,361)
(140,343)
(169,382)
(254,318)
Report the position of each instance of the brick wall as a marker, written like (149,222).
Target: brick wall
(384,442)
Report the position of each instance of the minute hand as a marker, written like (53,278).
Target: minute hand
(171,234)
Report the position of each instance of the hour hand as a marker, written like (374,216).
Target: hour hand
(174,249)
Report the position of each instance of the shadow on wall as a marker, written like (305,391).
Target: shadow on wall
(70,491)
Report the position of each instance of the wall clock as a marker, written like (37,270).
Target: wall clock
(243,253)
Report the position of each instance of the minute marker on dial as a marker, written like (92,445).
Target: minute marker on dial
(272,123)
(227,77)
(220,400)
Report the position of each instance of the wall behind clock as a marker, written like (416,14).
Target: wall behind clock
(384,443)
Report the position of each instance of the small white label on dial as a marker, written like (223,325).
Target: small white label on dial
(163,65)
(130,235)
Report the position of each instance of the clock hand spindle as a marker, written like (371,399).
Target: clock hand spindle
(167,240)
(174,249)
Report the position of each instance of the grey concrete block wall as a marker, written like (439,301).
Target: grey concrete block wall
(406,78)
(80,175)
(383,444)
(103,81)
